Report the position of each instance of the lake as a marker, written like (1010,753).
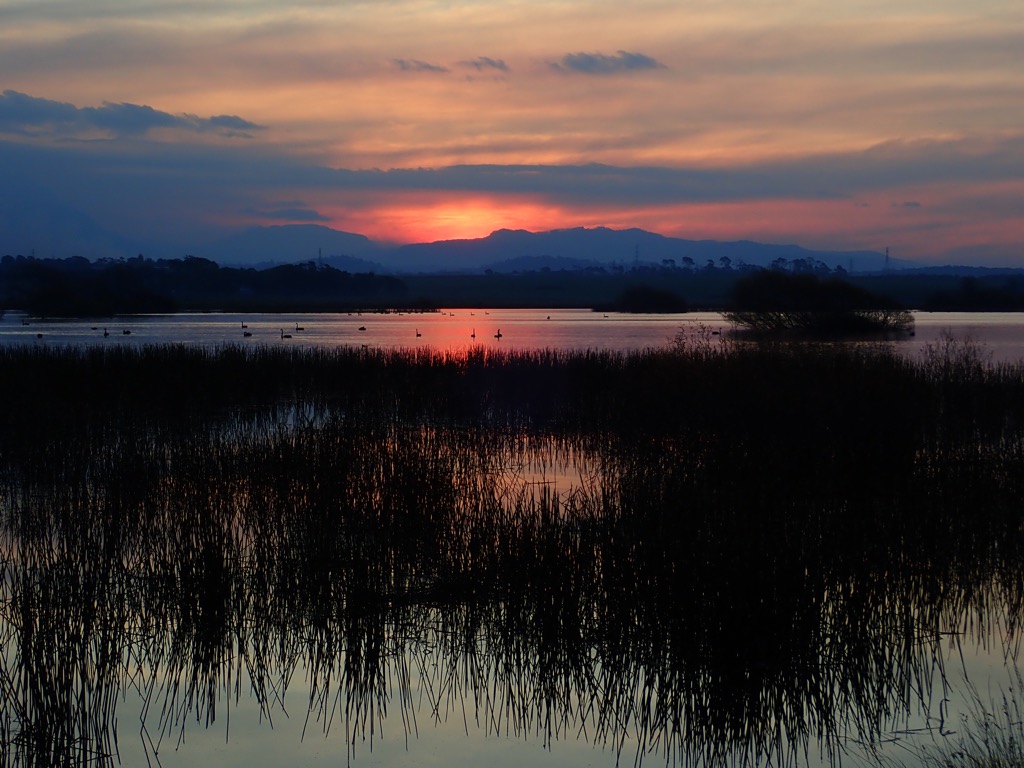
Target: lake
(387,560)
(1001,333)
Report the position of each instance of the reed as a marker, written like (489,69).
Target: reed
(988,734)
(734,573)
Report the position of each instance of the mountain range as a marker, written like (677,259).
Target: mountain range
(504,250)
(508,250)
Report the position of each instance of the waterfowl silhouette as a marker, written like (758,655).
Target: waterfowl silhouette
(473,334)
(498,334)
(285,335)
(244,325)
(126,332)
(246,333)
(105,332)
(418,334)
(362,327)
(299,327)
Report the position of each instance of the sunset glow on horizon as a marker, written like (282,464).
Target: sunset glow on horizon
(415,218)
(866,126)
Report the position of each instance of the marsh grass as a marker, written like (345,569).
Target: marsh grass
(989,733)
(757,561)
(992,737)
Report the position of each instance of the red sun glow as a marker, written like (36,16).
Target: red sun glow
(421,221)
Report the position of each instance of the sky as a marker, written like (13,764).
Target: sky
(858,125)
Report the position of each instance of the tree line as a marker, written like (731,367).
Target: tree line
(79,287)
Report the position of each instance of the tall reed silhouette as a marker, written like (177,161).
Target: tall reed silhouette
(557,544)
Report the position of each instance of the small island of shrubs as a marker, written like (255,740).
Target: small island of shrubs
(772,302)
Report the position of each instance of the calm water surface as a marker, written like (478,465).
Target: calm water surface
(452,731)
(1001,333)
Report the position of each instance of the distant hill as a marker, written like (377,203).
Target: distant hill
(608,246)
(64,232)
(538,263)
(966,271)
(291,243)
(32,222)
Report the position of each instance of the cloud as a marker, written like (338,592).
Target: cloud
(179,191)
(602,64)
(907,204)
(129,119)
(230,125)
(293,211)
(484,63)
(415,65)
(23,114)
(19,112)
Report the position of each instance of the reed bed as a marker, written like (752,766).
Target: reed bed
(707,557)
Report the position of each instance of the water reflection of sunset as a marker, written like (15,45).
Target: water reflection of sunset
(462,328)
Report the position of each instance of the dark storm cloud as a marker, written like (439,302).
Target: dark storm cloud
(602,64)
(485,63)
(23,114)
(415,65)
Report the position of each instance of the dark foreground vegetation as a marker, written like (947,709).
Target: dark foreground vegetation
(763,555)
